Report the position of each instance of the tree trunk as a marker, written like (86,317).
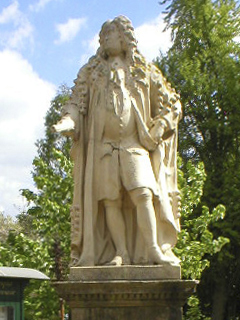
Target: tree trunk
(219,299)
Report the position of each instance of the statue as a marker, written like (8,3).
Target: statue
(123,117)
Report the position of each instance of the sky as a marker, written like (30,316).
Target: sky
(43,44)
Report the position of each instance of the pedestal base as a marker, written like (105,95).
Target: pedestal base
(124,296)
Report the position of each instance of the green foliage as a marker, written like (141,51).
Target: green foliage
(196,242)
(194,310)
(43,242)
(203,65)
(41,301)
(6,225)
(50,206)
(49,209)
(14,252)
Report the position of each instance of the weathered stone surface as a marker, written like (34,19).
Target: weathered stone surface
(113,300)
(110,273)
(141,313)
(123,117)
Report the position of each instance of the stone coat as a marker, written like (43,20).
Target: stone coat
(150,100)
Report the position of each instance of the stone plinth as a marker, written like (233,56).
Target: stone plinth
(122,293)
(131,272)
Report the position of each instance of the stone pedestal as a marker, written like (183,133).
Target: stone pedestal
(126,292)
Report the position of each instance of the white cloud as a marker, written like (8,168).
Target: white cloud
(69,30)
(91,47)
(9,13)
(18,37)
(12,203)
(24,100)
(39,5)
(17,27)
(151,38)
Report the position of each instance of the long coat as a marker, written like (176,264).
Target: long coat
(153,100)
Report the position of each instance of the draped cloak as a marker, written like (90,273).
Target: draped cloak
(91,243)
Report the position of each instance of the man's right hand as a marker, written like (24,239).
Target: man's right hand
(65,126)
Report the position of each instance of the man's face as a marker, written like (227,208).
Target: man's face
(112,41)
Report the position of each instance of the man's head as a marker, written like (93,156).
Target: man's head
(118,35)
(111,41)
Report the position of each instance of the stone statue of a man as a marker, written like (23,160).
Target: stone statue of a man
(123,117)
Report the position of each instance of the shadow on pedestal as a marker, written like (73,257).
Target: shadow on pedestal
(126,292)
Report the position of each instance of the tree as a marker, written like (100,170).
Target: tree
(44,240)
(196,243)
(203,64)
(50,205)
(6,225)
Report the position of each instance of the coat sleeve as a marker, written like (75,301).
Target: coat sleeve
(165,106)
(78,103)
(166,113)
(162,95)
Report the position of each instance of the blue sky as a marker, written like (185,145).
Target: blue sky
(43,43)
